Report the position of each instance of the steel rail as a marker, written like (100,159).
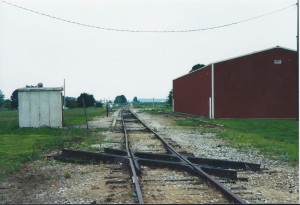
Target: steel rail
(133,171)
(226,192)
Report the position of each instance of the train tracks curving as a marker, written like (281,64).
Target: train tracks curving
(160,174)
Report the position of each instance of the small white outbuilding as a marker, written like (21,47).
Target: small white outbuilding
(40,107)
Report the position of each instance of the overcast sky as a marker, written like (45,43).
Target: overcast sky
(35,48)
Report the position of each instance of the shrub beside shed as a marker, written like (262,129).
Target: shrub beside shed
(40,107)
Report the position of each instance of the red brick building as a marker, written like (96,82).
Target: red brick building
(262,84)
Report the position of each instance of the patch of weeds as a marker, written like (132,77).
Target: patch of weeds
(87,142)
(96,147)
(48,177)
(54,162)
(67,175)
(2,197)
(101,130)
(83,172)
(189,122)
(156,111)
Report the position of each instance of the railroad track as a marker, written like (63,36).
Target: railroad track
(160,174)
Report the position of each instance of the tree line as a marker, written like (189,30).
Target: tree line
(70,102)
(88,99)
(11,103)
(73,102)
(84,99)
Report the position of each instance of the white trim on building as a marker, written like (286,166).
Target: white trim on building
(235,58)
(212,91)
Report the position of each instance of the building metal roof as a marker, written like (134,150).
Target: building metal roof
(37,89)
(238,57)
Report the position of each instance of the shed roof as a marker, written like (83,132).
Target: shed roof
(37,89)
(276,47)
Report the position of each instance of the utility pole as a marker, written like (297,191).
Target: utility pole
(153,102)
(83,103)
(106,108)
(64,104)
(64,93)
(298,29)
(297,72)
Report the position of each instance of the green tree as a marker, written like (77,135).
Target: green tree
(197,67)
(7,104)
(170,98)
(14,100)
(135,100)
(88,99)
(120,99)
(98,104)
(71,102)
(1,98)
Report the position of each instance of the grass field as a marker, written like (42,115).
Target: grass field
(18,145)
(76,116)
(158,108)
(150,105)
(277,137)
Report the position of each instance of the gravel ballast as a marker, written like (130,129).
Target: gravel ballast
(278,182)
(50,181)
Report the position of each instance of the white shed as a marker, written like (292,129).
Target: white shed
(40,107)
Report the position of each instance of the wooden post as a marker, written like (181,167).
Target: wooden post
(83,103)
(297,71)
(106,108)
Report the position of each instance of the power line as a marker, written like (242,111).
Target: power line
(148,31)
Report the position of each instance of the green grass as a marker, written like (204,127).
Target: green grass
(76,116)
(189,122)
(19,145)
(156,110)
(85,143)
(150,105)
(276,137)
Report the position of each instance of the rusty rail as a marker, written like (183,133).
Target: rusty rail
(224,190)
(201,167)
(132,165)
